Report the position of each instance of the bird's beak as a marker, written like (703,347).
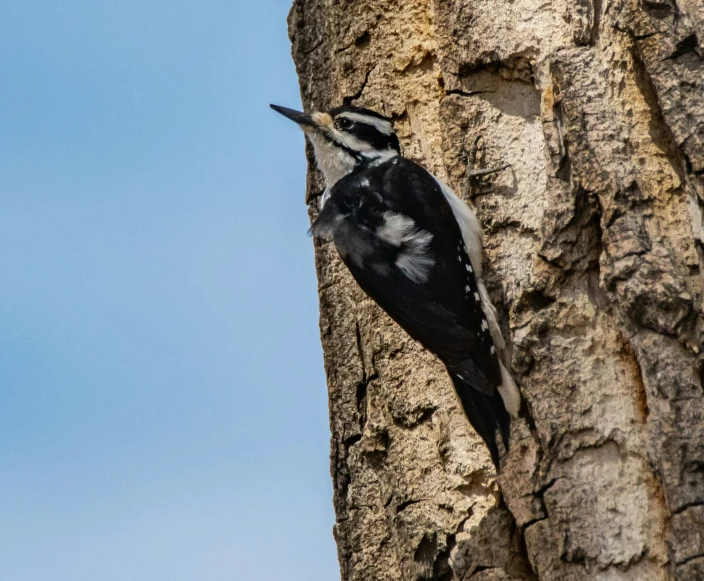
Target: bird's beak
(303,119)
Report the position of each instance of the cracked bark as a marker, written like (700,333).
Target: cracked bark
(595,248)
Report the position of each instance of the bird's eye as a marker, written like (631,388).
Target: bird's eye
(344,123)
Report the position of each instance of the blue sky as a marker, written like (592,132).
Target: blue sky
(163,410)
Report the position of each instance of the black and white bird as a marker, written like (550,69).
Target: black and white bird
(415,248)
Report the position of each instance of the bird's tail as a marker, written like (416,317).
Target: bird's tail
(488,416)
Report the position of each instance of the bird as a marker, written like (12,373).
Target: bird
(415,248)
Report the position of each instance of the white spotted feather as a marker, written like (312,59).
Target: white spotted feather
(472,236)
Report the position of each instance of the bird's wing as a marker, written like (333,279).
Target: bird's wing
(396,232)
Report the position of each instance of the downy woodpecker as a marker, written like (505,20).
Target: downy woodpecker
(415,248)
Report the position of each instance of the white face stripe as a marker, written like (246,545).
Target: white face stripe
(335,162)
(381,125)
(366,149)
(354,142)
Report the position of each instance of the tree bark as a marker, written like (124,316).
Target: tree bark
(595,249)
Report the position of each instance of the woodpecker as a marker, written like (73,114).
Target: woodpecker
(415,248)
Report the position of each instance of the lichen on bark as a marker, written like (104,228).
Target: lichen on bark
(595,249)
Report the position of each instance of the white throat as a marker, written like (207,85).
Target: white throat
(336,163)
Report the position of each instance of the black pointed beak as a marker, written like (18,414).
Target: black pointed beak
(302,119)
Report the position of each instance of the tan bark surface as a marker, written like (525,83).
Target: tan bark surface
(595,248)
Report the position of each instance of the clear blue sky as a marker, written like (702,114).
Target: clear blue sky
(163,410)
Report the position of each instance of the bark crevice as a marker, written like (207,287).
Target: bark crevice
(595,248)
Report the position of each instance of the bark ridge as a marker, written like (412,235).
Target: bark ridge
(595,249)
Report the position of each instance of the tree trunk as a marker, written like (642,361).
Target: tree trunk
(595,249)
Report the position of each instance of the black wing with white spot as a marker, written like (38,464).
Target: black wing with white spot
(396,232)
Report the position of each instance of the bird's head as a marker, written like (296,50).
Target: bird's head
(346,138)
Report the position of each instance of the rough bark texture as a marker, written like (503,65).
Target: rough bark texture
(595,249)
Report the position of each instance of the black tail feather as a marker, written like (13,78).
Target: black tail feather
(487,415)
